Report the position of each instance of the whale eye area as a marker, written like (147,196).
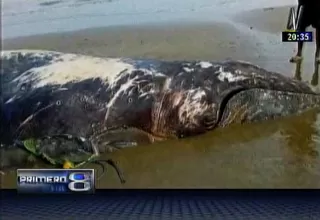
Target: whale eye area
(130,100)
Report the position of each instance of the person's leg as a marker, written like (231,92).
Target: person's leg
(315,77)
(302,26)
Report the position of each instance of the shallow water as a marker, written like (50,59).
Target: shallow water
(273,154)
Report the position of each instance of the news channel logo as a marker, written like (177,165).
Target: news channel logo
(55,181)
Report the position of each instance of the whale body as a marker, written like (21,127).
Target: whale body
(48,93)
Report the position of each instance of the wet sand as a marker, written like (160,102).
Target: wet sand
(253,36)
(279,154)
(171,42)
(271,22)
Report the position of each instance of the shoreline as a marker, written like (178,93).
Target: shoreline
(26,18)
(253,36)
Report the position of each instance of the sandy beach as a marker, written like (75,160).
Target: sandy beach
(271,20)
(171,42)
(252,35)
(32,17)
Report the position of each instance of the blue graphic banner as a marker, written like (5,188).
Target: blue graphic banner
(55,181)
(117,204)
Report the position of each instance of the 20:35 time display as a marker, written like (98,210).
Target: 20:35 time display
(288,36)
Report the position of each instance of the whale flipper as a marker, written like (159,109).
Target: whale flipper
(253,105)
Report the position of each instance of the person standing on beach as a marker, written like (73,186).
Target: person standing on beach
(308,15)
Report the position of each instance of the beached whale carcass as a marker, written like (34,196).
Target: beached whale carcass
(48,93)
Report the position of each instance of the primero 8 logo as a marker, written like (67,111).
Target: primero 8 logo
(80,182)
